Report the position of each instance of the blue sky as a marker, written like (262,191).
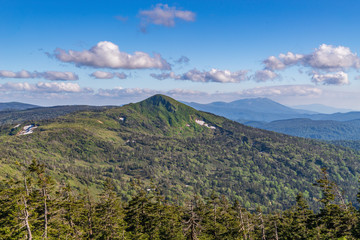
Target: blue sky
(115,52)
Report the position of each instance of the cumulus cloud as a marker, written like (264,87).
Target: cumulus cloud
(58,87)
(164,15)
(163,76)
(333,58)
(214,75)
(108,75)
(52,87)
(62,76)
(326,57)
(283,61)
(107,55)
(264,75)
(21,74)
(328,62)
(339,78)
(49,75)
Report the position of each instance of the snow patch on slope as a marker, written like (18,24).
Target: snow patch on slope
(202,123)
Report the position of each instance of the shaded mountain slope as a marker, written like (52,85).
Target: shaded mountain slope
(182,151)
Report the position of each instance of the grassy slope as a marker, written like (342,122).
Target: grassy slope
(158,141)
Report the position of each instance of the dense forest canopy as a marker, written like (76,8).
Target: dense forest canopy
(35,207)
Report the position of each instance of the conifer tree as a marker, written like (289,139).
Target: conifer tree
(16,210)
(335,219)
(109,217)
(136,215)
(191,223)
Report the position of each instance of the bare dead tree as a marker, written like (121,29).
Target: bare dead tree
(192,224)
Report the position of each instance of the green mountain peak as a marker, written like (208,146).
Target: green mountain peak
(161,113)
(162,101)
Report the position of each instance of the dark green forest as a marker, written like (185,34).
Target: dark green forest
(35,207)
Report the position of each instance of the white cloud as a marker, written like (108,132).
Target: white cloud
(164,15)
(62,76)
(178,92)
(214,75)
(284,60)
(102,75)
(163,76)
(284,90)
(339,78)
(330,58)
(21,74)
(326,57)
(49,87)
(58,87)
(108,75)
(264,75)
(49,75)
(107,55)
(22,86)
(126,92)
(328,62)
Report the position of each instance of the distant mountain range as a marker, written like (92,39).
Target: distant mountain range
(9,106)
(316,129)
(257,112)
(255,109)
(322,108)
(267,114)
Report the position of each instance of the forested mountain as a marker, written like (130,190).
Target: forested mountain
(8,106)
(184,152)
(337,116)
(316,129)
(42,113)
